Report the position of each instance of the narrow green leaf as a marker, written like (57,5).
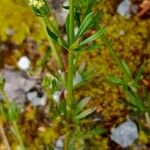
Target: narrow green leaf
(93,37)
(52,35)
(63,43)
(135,100)
(114,80)
(88,48)
(85,24)
(94,47)
(84,114)
(81,105)
(78,20)
(82,66)
(74,45)
(126,69)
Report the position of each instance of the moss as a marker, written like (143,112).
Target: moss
(143,137)
(25,23)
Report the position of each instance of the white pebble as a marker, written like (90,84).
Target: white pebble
(35,100)
(124,8)
(125,134)
(23,63)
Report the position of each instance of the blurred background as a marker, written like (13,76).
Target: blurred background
(24,45)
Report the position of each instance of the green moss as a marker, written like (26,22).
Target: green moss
(130,39)
(21,20)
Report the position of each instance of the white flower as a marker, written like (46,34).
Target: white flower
(23,63)
(36,3)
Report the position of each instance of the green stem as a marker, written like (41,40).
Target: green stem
(54,47)
(71,21)
(71,55)
(70,79)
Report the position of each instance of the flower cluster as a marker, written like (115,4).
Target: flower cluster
(36,3)
(40,7)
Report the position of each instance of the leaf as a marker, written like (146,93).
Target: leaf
(88,48)
(114,79)
(135,100)
(85,24)
(63,43)
(93,37)
(62,108)
(81,105)
(82,66)
(126,69)
(93,47)
(88,74)
(133,85)
(77,18)
(84,114)
(57,39)
(13,112)
(52,35)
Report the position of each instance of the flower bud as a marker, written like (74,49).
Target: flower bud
(40,7)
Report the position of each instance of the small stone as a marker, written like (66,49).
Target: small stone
(23,63)
(59,143)
(125,134)
(35,99)
(124,8)
(17,85)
